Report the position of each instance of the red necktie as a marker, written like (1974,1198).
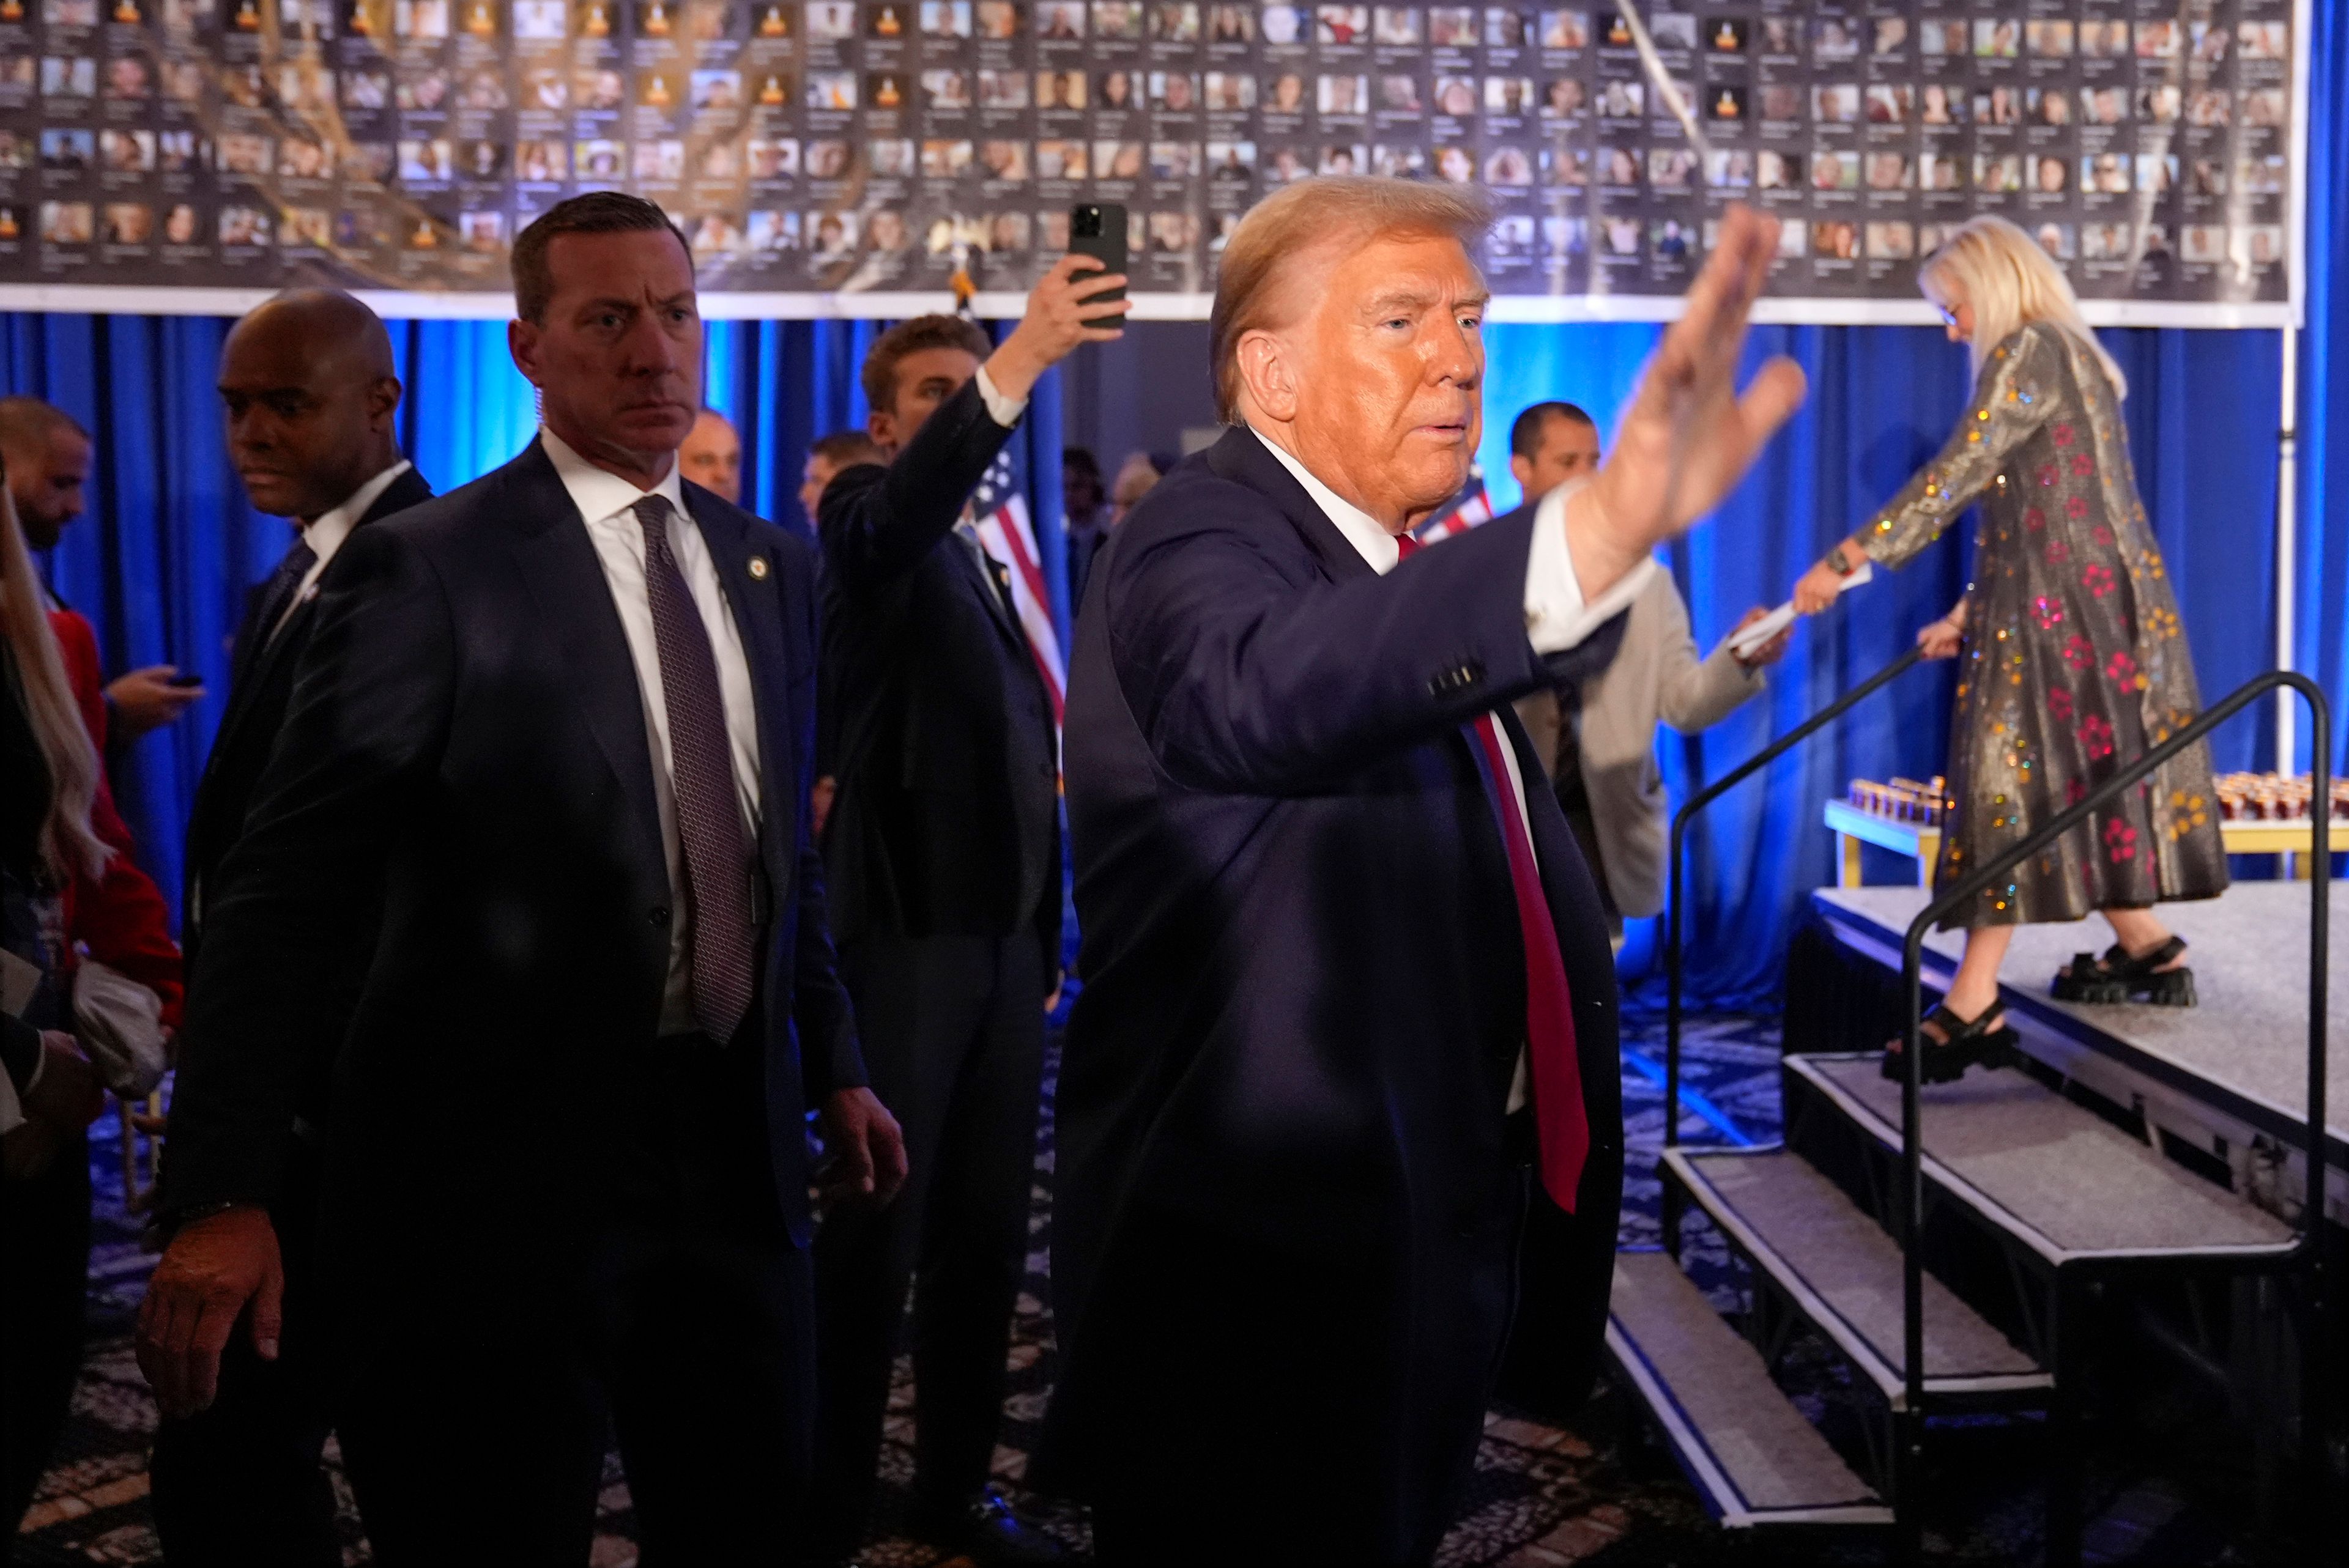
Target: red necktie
(1561,1128)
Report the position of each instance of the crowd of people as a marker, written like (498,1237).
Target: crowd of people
(617,936)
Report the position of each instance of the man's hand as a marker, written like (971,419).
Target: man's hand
(868,1151)
(146,699)
(1687,438)
(213,1270)
(821,795)
(1769,652)
(1061,314)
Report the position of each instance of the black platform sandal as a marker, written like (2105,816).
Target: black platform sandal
(1963,1044)
(2117,977)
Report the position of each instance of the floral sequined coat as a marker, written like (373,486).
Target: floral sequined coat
(2075,662)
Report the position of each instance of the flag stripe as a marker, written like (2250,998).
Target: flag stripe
(1008,536)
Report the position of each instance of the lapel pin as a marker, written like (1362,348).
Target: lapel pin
(757,568)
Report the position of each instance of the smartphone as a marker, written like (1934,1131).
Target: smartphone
(1098,229)
(185,679)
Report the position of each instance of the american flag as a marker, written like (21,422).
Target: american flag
(1461,514)
(1000,512)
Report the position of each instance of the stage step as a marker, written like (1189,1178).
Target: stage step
(2059,1179)
(1841,1270)
(1752,1456)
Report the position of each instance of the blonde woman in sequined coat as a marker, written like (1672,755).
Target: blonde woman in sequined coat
(2074,660)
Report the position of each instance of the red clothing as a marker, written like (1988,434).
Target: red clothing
(119,916)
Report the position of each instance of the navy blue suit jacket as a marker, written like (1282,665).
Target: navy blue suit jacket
(1304,991)
(465,760)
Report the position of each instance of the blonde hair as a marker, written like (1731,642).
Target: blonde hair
(2008,282)
(67,845)
(1326,211)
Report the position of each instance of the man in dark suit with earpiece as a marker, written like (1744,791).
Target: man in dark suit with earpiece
(546,758)
(307,384)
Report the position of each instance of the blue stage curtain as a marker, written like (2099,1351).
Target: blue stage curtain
(160,563)
(162,558)
(2322,645)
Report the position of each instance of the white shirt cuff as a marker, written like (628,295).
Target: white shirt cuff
(1004,412)
(1556,617)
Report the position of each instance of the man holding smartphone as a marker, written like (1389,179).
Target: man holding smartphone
(943,854)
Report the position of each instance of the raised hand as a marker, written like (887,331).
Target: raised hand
(1062,314)
(1688,437)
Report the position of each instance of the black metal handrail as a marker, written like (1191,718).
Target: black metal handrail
(1698,802)
(2308,1251)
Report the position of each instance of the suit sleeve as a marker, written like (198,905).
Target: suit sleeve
(1247,680)
(1696,693)
(830,1059)
(878,523)
(363,731)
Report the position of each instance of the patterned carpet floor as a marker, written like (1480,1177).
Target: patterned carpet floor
(1596,1489)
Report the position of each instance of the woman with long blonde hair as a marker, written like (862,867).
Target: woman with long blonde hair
(2074,660)
(48,1089)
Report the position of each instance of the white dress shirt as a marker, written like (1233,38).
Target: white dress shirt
(1556,618)
(1004,412)
(607,504)
(325,534)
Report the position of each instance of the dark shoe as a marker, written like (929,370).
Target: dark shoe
(2117,977)
(1963,1044)
(984,1527)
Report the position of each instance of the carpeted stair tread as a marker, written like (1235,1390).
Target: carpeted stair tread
(1751,1453)
(2081,1183)
(1841,1269)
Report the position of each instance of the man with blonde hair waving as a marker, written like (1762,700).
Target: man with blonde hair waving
(1348,988)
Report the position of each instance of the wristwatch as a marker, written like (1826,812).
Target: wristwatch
(1839,563)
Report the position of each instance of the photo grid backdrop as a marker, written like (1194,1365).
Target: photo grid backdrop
(818,149)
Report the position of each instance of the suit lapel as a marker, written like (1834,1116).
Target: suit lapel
(979,577)
(558,563)
(256,662)
(755,605)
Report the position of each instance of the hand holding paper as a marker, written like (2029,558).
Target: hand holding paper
(1746,639)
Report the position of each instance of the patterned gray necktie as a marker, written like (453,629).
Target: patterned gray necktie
(708,815)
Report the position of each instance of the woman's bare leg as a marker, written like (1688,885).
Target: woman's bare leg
(2140,930)
(1973,993)
(1975,989)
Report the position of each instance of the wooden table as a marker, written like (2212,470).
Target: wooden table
(1922,842)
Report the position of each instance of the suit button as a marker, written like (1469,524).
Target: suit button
(661,914)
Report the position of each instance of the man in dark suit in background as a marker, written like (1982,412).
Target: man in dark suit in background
(944,851)
(1348,996)
(552,735)
(308,387)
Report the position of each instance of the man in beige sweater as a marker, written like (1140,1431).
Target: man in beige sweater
(1598,740)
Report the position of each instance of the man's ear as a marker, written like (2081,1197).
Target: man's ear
(522,342)
(1521,468)
(1268,375)
(880,424)
(383,401)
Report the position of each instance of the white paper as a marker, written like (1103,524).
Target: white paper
(1746,640)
